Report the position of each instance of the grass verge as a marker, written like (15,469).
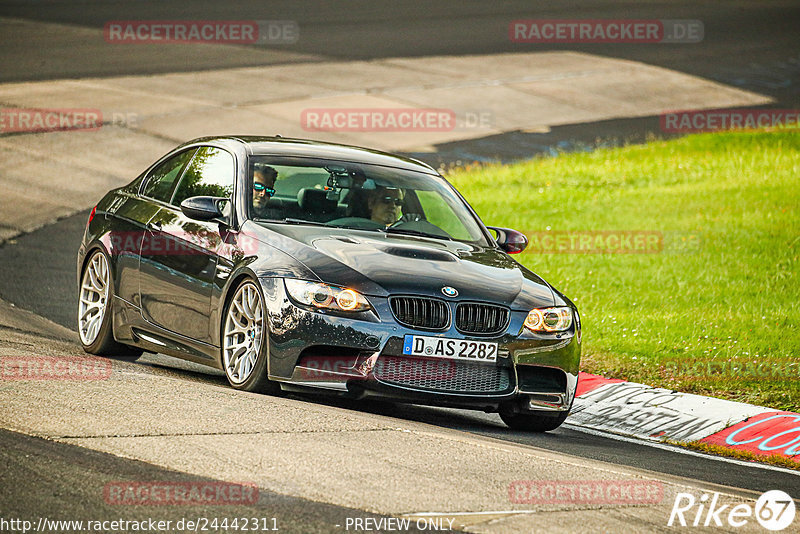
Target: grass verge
(714,307)
(747,456)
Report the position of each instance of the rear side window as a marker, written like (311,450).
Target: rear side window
(210,173)
(161,181)
(291,180)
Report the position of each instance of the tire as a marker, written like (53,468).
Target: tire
(96,293)
(533,421)
(244,340)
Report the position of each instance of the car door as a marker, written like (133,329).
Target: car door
(178,258)
(132,212)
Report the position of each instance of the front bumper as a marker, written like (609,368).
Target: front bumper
(362,356)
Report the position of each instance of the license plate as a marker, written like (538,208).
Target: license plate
(452,349)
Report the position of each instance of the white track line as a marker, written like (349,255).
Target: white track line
(680,450)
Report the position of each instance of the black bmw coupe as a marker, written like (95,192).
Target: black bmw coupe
(295,265)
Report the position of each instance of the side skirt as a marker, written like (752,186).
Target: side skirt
(132,329)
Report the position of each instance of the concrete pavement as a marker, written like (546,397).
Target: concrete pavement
(60,482)
(368,462)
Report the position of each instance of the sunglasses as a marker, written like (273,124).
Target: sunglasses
(261,187)
(392,200)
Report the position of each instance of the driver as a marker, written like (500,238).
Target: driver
(264,178)
(384,205)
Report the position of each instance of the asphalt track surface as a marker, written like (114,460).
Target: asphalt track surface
(747,44)
(73,477)
(45,282)
(750,45)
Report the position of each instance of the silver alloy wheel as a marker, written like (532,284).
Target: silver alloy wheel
(93,298)
(241,343)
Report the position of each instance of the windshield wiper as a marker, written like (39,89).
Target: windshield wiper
(404,231)
(351,227)
(290,220)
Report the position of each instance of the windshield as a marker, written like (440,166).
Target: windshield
(365,197)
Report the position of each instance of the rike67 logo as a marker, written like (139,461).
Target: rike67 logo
(774,510)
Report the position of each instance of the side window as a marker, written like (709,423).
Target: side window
(210,173)
(161,180)
(290,181)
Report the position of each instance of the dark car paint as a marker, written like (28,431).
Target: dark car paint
(179,312)
(368,260)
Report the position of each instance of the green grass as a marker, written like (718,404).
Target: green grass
(747,456)
(724,289)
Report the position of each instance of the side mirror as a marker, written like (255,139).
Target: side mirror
(203,208)
(512,241)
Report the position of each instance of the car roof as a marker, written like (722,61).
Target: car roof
(285,146)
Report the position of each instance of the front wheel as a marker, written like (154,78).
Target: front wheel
(94,311)
(244,351)
(534,421)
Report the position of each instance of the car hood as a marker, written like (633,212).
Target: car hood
(380,264)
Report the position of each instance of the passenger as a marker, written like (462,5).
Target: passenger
(264,178)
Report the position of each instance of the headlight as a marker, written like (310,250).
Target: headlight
(326,296)
(549,319)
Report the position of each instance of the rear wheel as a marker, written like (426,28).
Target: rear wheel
(244,352)
(94,310)
(534,421)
